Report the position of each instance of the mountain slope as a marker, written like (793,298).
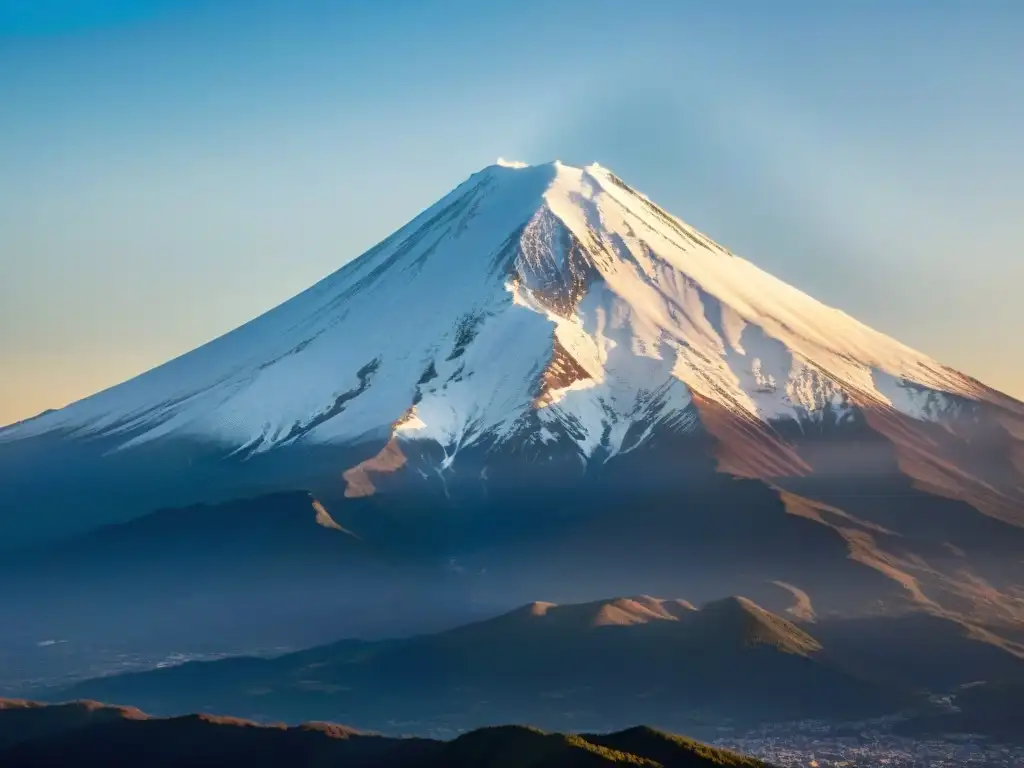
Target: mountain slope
(547,356)
(600,665)
(612,309)
(86,734)
(251,573)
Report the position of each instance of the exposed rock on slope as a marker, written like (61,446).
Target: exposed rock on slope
(547,354)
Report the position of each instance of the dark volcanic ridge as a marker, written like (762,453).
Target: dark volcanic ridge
(86,734)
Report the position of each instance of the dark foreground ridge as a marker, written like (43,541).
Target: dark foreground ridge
(86,734)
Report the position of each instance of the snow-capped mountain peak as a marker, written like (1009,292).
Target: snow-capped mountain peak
(550,299)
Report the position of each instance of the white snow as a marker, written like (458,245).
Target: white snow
(459,312)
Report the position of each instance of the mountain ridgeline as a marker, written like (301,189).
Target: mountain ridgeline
(85,734)
(598,665)
(542,385)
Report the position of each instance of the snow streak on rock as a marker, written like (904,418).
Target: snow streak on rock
(550,299)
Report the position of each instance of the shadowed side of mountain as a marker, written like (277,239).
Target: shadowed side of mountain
(920,651)
(113,737)
(22,720)
(619,660)
(633,527)
(250,572)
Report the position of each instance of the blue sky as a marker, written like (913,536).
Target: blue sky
(171,168)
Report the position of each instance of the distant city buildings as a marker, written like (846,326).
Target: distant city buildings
(812,744)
